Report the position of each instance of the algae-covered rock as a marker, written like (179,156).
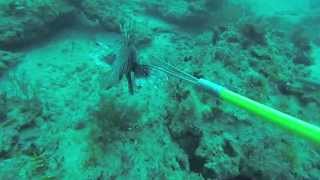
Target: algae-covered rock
(222,154)
(181,12)
(25,21)
(115,16)
(107,13)
(69,127)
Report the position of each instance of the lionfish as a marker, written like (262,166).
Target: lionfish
(126,63)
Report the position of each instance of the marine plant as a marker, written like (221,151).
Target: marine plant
(22,96)
(40,166)
(111,119)
(39,163)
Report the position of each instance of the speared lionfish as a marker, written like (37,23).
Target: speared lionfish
(127,62)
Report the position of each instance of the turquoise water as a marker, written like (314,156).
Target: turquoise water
(107,89)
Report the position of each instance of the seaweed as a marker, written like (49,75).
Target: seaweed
(23,97)
(111,119)
(39,163)
(27,92)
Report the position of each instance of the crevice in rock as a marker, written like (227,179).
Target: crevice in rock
(189,142)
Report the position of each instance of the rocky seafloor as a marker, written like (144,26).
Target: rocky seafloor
(58,121)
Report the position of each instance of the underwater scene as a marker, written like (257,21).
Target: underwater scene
(159,89)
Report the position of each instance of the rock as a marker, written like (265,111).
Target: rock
(23,22)
(222,155)
(106,13)
(184,13)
